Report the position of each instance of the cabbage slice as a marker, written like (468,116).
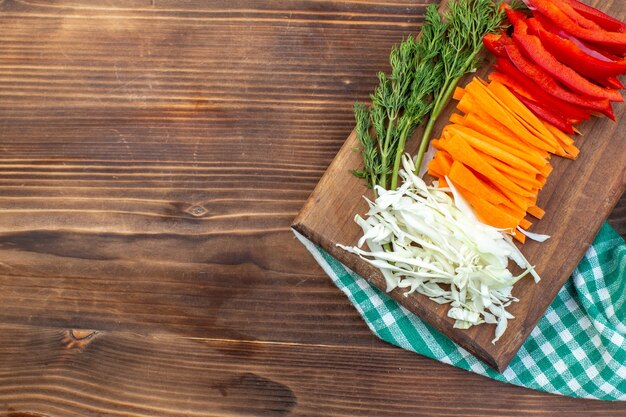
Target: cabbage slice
(440,249)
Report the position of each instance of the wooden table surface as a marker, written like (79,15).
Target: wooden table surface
(154,153)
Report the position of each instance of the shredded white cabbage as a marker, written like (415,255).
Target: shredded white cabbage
(440,249)
(534,236)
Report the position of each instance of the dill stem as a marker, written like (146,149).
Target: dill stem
(447,91)
(385,149)
(398,158)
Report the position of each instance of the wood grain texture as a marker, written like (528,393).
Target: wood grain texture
(581,192)
(153,154)
(128,374)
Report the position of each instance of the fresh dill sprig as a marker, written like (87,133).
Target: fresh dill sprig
(424,73)
(469,21)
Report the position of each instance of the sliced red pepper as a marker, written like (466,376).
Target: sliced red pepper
(570,54)
(514,16)
(549,84)
(613,82)
(609,82)
(580,20)
(588,48)
(546,115)
(493,44)
(534,49)
(605,21)
(522,85)
(615,40)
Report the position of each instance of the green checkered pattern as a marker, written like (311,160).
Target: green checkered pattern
(577,349)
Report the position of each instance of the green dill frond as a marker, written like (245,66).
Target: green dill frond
(424,73)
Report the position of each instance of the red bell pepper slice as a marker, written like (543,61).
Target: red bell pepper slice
(514,16)
(518,82)
(580,20)
(570,54)
(605,21)
(494,45)
(534,49)
(549,84)
(546,115)
(585,47)
(614,40)
(612,82)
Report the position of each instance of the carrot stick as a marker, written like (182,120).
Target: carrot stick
(444,160)
(517,107)
(510,208)
(546,170)
(503,115)
(461,175)
(462,152)
(483,123)
(487,212)
(520,237)
(458,93)
(519,177)
(560,135)
(519,201)
(536,212)
(515,157)
(525,224)
(542,180)
(566,142)
(457,118)
(466,104)
(520,111)
(435,169)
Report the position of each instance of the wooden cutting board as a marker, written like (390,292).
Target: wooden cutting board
(577,198)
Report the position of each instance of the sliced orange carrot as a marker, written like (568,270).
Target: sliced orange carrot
(480,95)
(525,224)
(466,104)
(435,169)
(458,93)
(542,180)
(522,113)
(489,213)
(516,106)
(462,152)
(444,160)
(546,170)
(520,237)
(536,212)
(570,150)
(561,136)
(538,146)
(519,177)
(504,153)
(519,201)
(512,210)
(490,127)
(457,118)
(463,176)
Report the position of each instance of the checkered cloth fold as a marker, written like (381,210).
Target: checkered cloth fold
(577,349)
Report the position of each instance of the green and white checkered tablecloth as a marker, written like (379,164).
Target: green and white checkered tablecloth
(577,349)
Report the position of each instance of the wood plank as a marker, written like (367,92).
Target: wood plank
(580,192)
(155,153)
(54,372)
